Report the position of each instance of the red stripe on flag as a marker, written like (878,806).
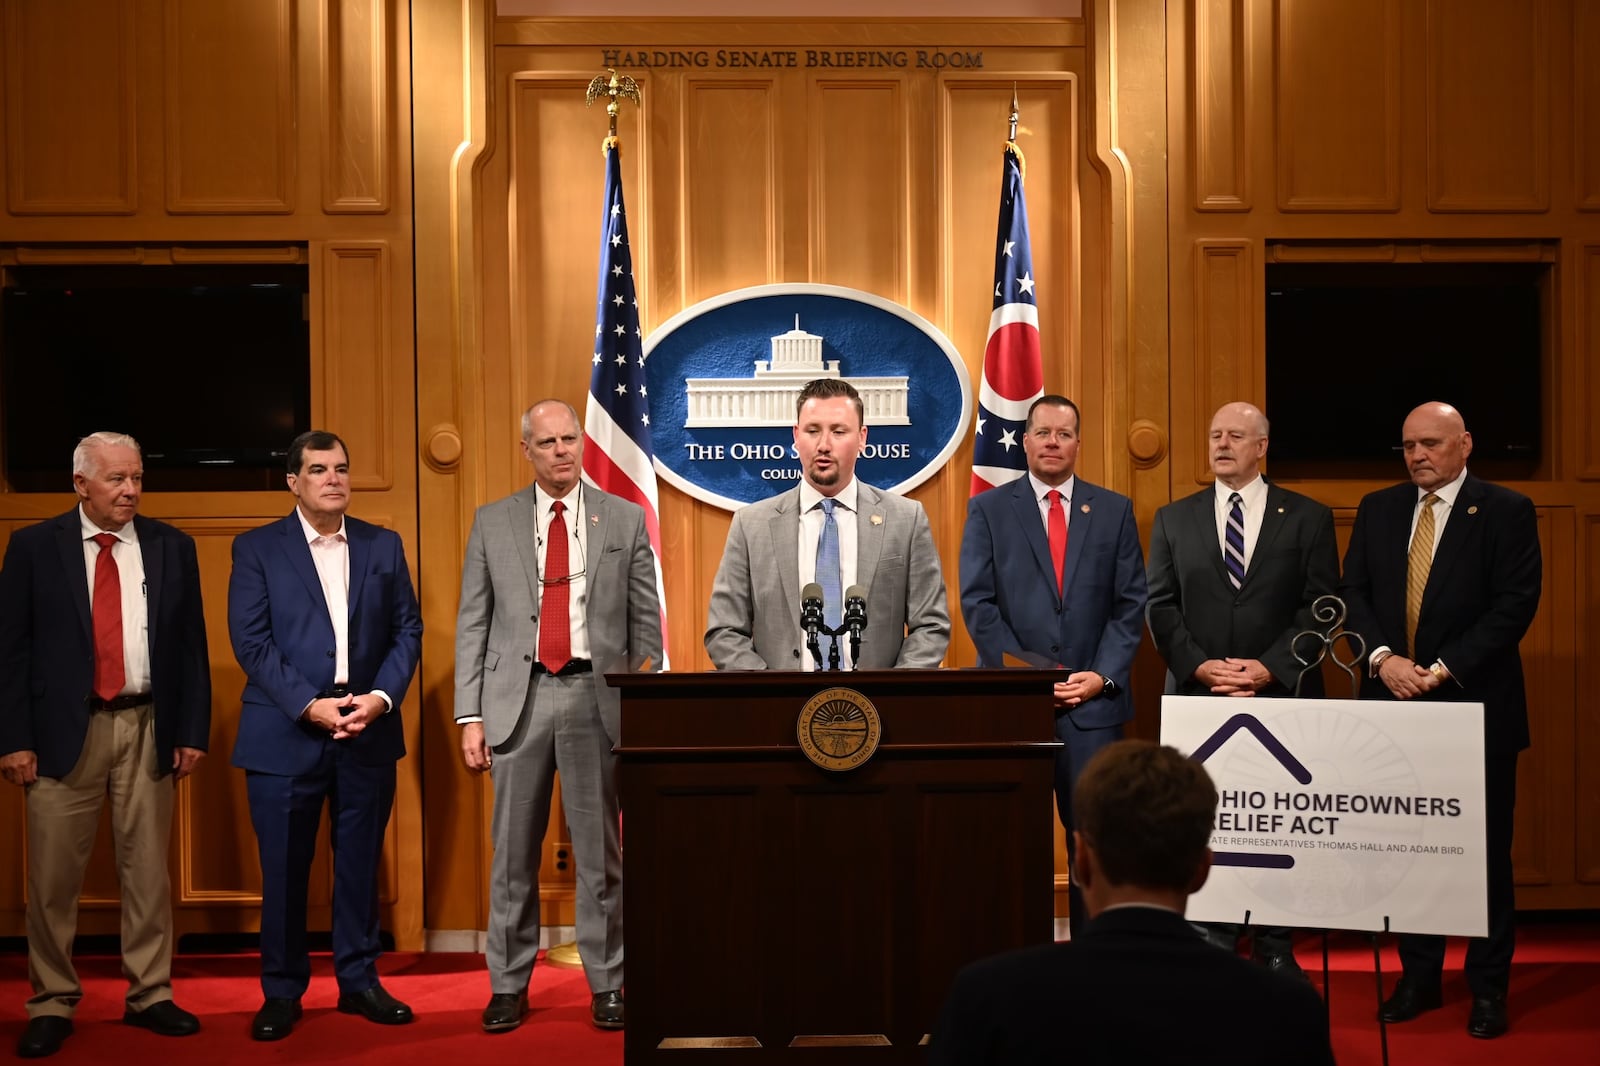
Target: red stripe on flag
(1011,363)
(611,478)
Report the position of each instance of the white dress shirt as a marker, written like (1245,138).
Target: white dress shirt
(844,517)
(1442,506)
(135,615)
(330,554)
(1041,496)
(1253,507)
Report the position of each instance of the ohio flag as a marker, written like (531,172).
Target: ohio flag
(617,454)
(1013,376)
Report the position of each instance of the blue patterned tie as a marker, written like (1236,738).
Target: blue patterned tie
(1233,554)
(828,567)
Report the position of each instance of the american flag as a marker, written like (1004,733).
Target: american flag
(1013,375)
(617,454)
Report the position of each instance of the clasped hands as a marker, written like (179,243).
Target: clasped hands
(343,717)
(1233,677)
(1405,678)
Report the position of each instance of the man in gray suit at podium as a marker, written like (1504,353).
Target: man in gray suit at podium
(835,532)
(559,582)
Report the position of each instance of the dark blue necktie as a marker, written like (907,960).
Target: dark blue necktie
(1233,553)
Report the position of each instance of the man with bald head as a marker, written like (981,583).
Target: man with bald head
(1234,570)
(1442,578)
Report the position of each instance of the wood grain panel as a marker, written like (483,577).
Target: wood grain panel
(358,136)
(859,138)
(1586,736)
(1586,103)
(1225,332)
(1337,78)
(1219,105)
(1587,338)
(352,367)
(230,107)
(71,100)
(1488,105)
(732,186)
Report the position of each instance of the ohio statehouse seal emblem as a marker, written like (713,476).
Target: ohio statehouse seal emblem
(839,729)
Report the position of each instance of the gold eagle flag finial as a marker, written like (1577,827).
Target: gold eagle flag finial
(614,87)
(1011,140)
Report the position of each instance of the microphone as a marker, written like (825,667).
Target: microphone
(811,618)
(855,619)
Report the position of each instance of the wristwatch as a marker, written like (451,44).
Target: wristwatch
(1109,687)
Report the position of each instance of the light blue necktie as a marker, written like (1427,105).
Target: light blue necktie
(828,567)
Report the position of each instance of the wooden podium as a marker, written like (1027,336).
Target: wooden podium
(778,911)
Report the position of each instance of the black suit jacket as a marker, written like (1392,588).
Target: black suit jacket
(1483,591)
(47,642)
(1194,611)
(1138,985)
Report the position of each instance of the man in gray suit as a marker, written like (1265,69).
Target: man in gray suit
(1234,570)
(837,532)
(558,583)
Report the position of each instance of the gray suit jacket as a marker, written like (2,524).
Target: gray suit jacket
(497,626)
(754,619)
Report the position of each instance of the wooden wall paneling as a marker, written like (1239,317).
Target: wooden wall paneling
(71,105)
(1226,301)
(1586,734)
(358,134)
(1337,82)
(1219,105)
(1586,103)
(1586,357)
(1488,105)
(1543,844)
(231,143)
(733,182)
(858,140)
(354,390)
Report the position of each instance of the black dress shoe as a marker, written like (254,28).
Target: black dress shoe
(165,1018)
(505,1011)
(1282,962)
(375,1005)
(606,1009)
(43,1036)
(1411,997)
(1488,1017)
(275,1019)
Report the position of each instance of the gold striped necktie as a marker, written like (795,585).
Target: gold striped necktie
(1417,566)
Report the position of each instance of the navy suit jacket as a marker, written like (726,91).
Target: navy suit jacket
(1136,985)
(1196,614)
(47,642)
(1482,594)
(282,637)
(1008,588)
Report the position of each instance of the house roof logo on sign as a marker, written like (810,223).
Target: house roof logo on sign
(725,374)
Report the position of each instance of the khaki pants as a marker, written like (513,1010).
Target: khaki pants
(118,760)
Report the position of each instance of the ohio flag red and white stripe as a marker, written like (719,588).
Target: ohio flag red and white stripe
(617,454)
(1013,375)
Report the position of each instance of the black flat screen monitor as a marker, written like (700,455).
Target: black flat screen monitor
(1352,348)
(208,367)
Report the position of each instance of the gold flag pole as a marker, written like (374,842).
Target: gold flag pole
(615,88)
(1011,141)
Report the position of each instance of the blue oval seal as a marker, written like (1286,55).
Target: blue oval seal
(724,376)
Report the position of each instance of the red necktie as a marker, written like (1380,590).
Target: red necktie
(1058,540)
(555,627)
(108,669)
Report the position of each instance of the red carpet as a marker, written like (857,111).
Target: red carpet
(1555,1012)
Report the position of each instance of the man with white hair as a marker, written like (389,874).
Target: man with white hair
(105,689)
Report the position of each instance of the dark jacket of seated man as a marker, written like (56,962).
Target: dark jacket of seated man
(1139,985)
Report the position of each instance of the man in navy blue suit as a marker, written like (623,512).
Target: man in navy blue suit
(105,690)
(1052,571)
(325,624)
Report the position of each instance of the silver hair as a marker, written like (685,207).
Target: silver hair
(83,456)
(527,416)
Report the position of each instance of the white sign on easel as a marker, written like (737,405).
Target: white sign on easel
(1337,814)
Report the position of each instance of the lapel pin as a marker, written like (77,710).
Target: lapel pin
(876,520)
(1473,509)
(594,520)
(1280,510)
(1084,508)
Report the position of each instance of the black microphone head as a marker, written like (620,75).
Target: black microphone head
(813,591)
